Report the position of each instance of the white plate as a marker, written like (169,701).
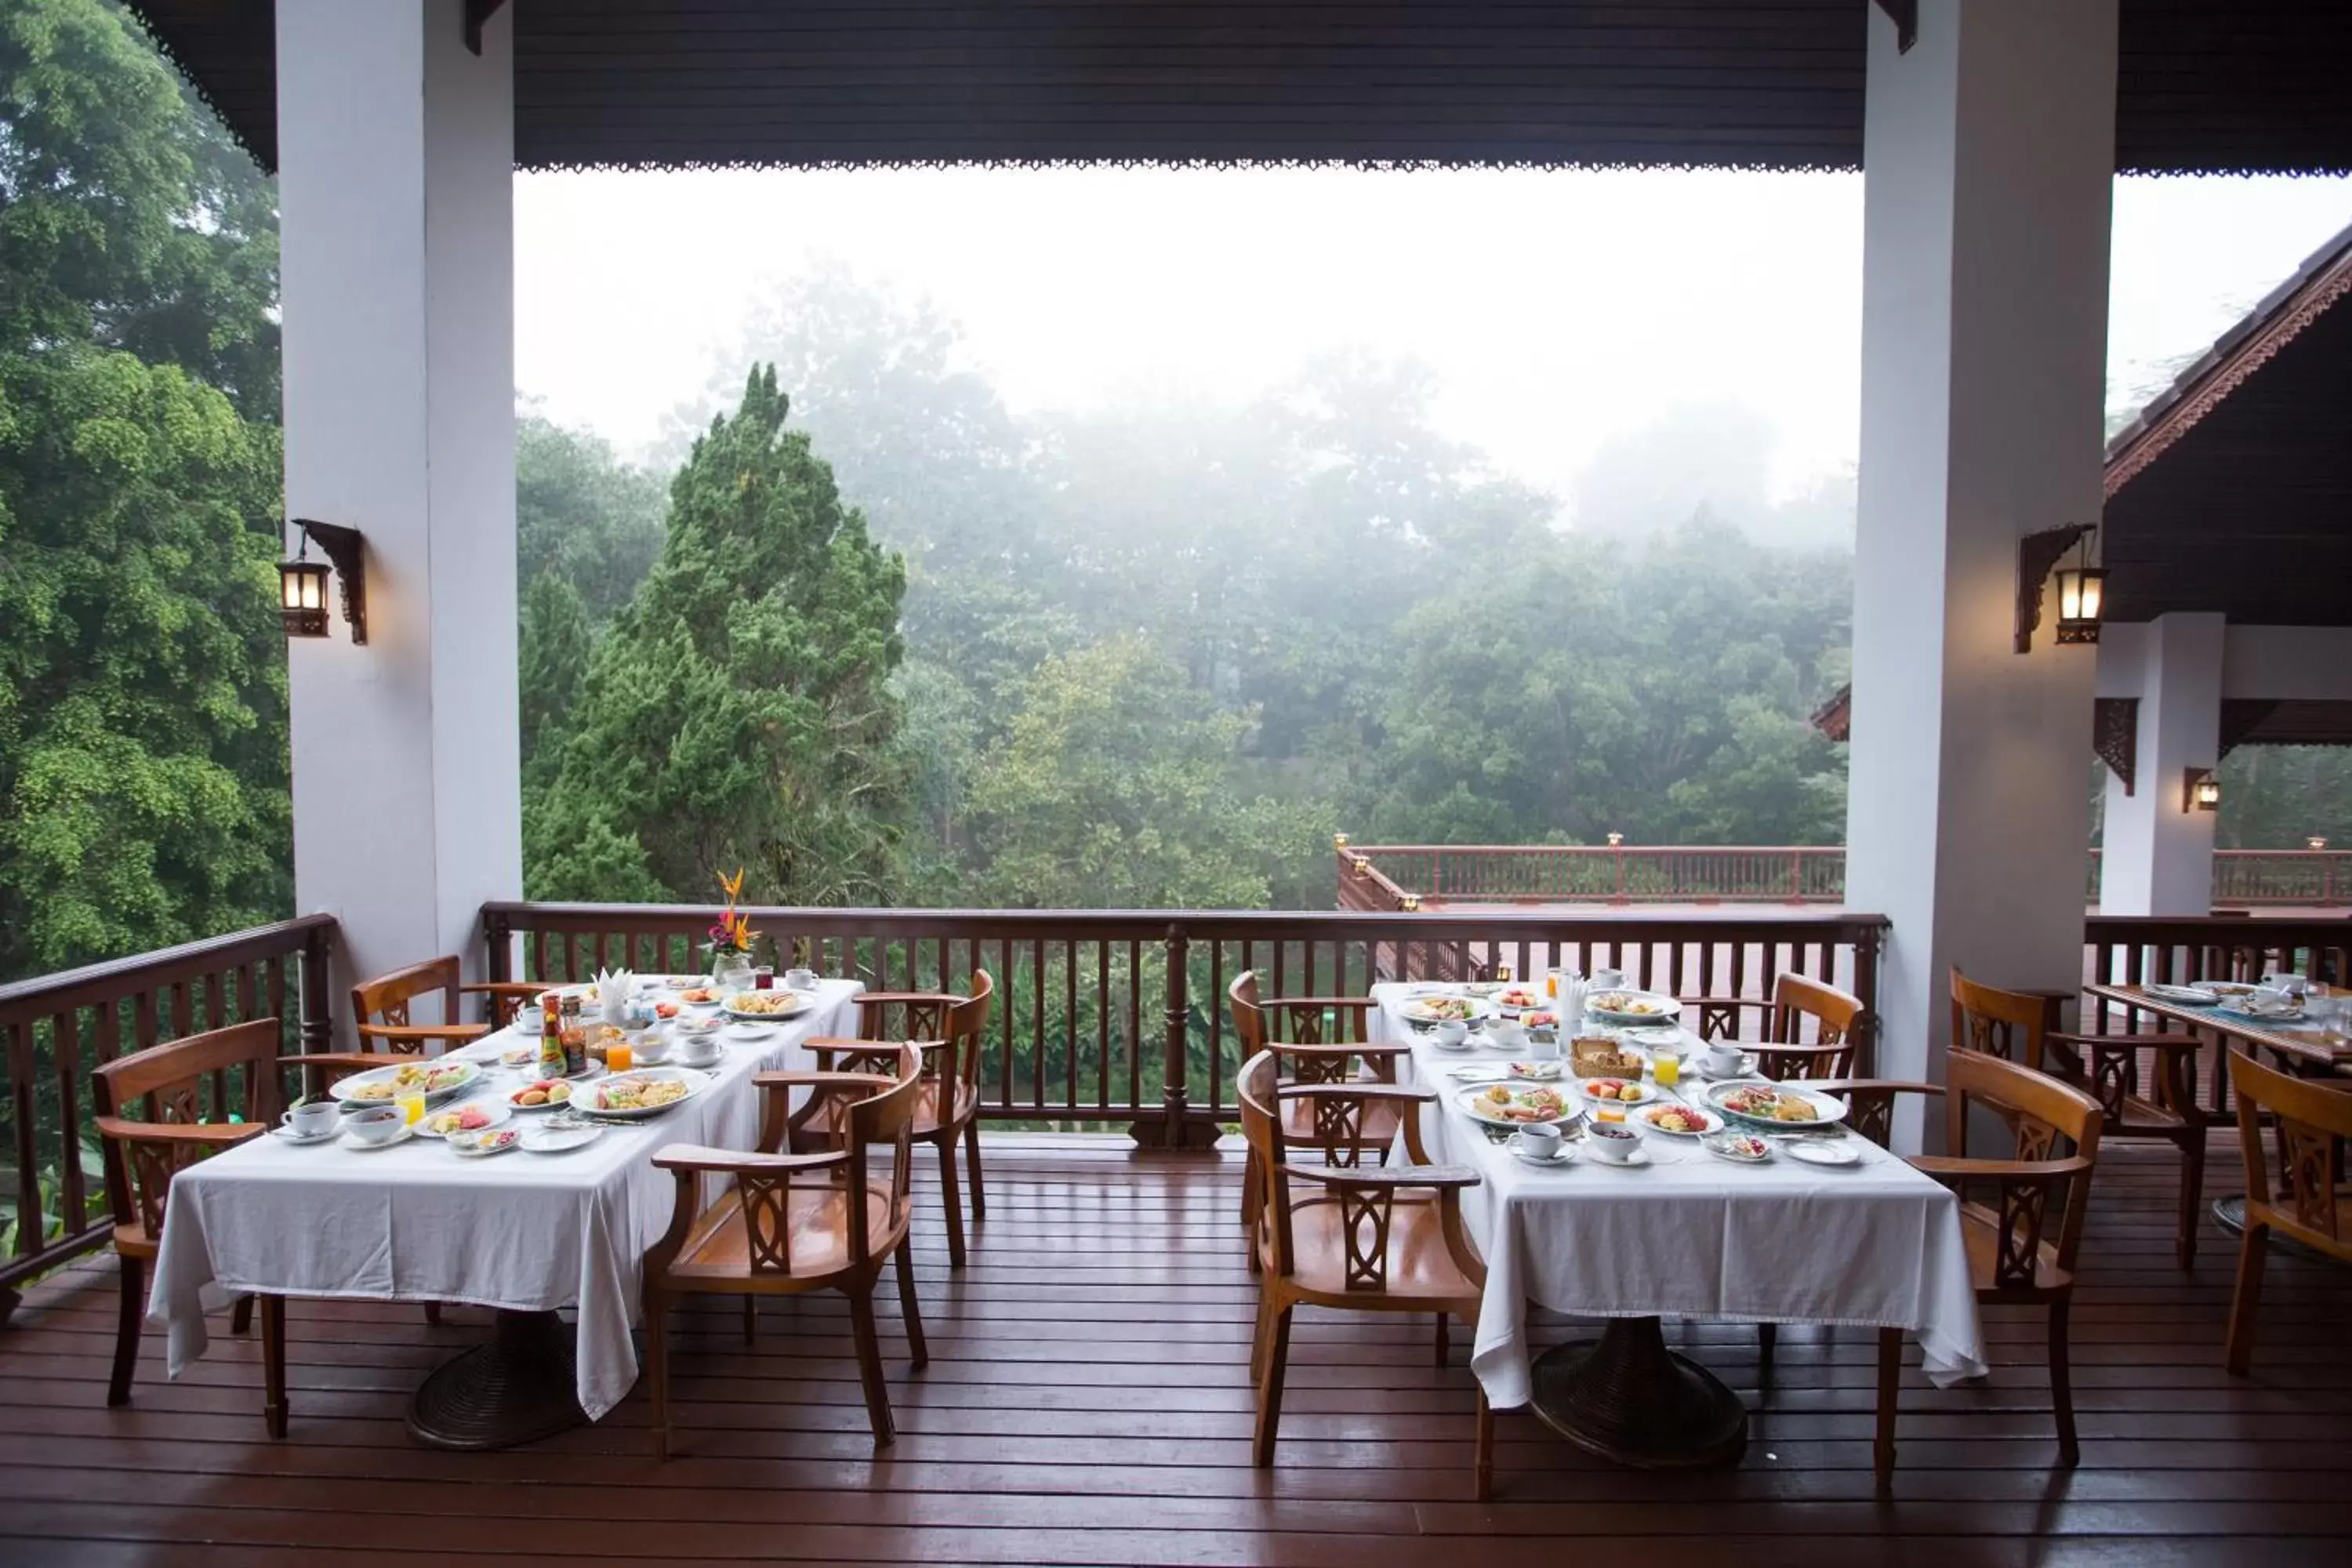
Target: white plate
(468,1073)
(395,1141)
(494,1106)
(1415,1009)
(800,1003)
(745,1032)
(1649,1095)
(1829,1106)
(590,1101)
(1822,1152)
(1538,1072)
(1641,1120)
(532,1109)
(1714,1146)
(1656,1034)
(1666,1009)
(464,1148)
(542,1139)
(2187,995)
(1468,1100)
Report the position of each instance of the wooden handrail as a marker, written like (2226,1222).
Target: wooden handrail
(55,1027)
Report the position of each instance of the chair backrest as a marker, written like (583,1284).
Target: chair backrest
(1834,1013)
(168,1083)
(1260,1022)
(2040,1112)
(2310,1120)
(1992,1022)
(966,1029)
(1256,1095)
(885,1121)
(386,999)
(1249,1018)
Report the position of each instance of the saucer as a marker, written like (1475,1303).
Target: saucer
(395,1141)
(747,1031)
(1566,1155)
(1822,1151)
(301,1139)
(1640,1157)
(545,1140)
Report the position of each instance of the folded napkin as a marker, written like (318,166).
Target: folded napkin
(614,989)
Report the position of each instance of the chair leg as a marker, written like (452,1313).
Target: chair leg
(750,1319)
(869,1365)
(657,1370)
(432,1314)
(273,1364)
(1890,1383)
(972,1164)
(1249,1190)
(2247,1300)
(2192,1197)
(240,1317)
(953,1203)
(1443,1342)
(918,1348)
(2061,1386)
(1768,1340)
(126,1330)
(1259,1336)
(1483,1457)
(1269,1387)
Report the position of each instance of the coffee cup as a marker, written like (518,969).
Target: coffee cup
(1612,1142)
(1724,1058)
(699,1050)
(799,979)
(311,1118)
(1538,1141)
(1452,1033)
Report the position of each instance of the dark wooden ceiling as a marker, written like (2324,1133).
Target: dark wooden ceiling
(2234,491)
(2206,85)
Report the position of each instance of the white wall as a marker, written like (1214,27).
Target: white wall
(2157,850)
(1988,160)
(396,234)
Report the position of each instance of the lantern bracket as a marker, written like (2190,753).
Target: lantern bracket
(343,547)
(2036,555)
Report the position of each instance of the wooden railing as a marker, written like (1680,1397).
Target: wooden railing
(1402,876)
(55,1027)
(1118,1017)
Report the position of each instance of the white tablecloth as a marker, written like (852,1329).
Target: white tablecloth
(1696,1236)
(416,1222)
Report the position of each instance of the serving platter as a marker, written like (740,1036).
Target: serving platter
(1632,1009)
(626,1094)
(1760,1105)
(441,1078)
(787,1004)
(1440,1008)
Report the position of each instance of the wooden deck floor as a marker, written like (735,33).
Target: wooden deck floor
(1088,1403)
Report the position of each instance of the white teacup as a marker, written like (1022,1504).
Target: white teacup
(1452,1033)
(699,1050)
(1723,1059)
(312,1118)
(1538,1141)
(799,979)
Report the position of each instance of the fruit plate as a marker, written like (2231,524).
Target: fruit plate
(491,1111)
(1613,1091)
(1657,1118)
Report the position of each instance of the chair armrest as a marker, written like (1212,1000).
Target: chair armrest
(1372,1179)
(1343,1004)
(866,999)
(825,1048)
(1871,1086)
(505,988)
(1963,1167)
(2126,1042)
(796,1079)
(418,1034)
(1325,1051)
(1395,1092)
(216,1135)
(691,1157)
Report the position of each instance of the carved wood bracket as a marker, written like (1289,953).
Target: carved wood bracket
(2114,736)
(2241,717)
(1906,15)
(478,12)
(2036,555)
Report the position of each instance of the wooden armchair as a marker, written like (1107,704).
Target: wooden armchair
(1383,1241)
(947,1104)
(2310,1121)
(176,1130)
(1315,1040)
(791,1223)
(1784,1052)
(2108,1067)
(381,1007)
(2021,1245)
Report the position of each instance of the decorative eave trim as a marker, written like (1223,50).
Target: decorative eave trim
(2115,737)
(2232,369)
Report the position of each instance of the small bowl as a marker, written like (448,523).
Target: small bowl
(375,1124)
(1611,1141)
(652,1050)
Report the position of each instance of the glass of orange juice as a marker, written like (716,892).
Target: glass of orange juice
(619,1057)
(412,1105)
(1667,1067)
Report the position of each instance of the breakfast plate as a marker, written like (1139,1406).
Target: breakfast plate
(1439,1008)
(2186,995)
(1631,1008)
(542,1094)
(746,1032)
(1678,1120)
(474,1116)
(767,1006)
(1505,1105)
(648,1092)
(1616,1091)
(1775,1105)
(440,1077)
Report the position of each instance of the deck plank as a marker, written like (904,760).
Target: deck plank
(1088,1402)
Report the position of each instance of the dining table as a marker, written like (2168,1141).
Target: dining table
(1687,1234)
(539,1238)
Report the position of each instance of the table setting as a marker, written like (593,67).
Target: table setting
(514,1174)
(1632,1173)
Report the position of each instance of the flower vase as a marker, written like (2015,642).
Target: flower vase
(731,969)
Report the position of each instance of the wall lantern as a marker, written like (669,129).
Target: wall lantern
(2317,841)
(1338,841)
(2081,587)
(303,582)
(2200,790)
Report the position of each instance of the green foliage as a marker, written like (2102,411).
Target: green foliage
(739,711)
(584,517)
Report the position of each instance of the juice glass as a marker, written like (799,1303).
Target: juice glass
(1667,1069)
(619,1057)
(412,1105)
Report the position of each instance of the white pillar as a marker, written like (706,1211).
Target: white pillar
(1989,159)
(396,198)
(2157,853)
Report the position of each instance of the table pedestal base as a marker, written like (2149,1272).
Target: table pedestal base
(1627,1398)
(516,1389)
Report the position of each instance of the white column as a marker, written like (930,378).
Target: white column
(1988,157)
(2157,854)
(395,196)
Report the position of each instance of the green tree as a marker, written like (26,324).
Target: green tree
(738,712)
(583,515)
(1112,787)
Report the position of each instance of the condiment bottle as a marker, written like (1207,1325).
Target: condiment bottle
(575,1038)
